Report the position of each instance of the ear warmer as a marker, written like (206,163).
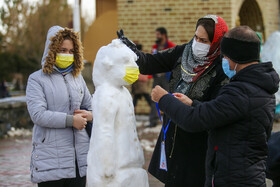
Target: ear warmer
(241,52)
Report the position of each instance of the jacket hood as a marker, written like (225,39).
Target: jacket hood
(262,75)
(55,37)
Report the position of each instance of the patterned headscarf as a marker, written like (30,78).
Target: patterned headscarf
(192,66)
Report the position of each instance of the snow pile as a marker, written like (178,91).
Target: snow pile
(19,132)
(155,130)
(148,145)
(148,135)
(13,99)
(270,52)
(115,157)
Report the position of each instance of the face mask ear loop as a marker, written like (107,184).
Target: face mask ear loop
(235,67)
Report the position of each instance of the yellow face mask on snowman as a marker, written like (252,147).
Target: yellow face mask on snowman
(64,60)
(131,74)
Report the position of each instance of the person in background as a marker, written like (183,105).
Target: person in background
(54,96)
(179,156)
(239,120)
(161,79)
(4,92)
(140,89)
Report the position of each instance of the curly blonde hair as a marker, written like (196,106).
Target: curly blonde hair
(54,48)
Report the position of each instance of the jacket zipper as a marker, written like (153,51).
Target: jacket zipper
(74,139)
(173,144)
(213,176)
(175,133)
(72,127)
(68,93)
(215,167)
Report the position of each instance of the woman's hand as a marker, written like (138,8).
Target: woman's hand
(79,122)
(183,98)
(157,93)
(84,113)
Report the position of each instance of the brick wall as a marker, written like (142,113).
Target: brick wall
(140,18)
(269,11)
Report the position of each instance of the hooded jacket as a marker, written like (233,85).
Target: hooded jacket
(51,101)
(239,121)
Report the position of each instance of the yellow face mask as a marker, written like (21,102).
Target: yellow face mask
(131,74)
(64,60)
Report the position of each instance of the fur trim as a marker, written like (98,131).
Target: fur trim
(54,48)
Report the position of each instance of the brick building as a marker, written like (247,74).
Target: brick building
(140,18)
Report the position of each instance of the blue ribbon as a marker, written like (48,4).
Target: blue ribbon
(158,111)
(166,128)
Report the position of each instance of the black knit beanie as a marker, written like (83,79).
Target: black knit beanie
(239,51)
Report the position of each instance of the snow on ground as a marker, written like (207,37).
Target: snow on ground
(147,136)
(13,99)
(19,132)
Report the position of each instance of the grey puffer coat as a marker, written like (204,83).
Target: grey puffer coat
(51,101)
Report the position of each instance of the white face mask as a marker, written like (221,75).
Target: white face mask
(200,49)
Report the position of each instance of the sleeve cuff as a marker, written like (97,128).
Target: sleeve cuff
(69,121)
(164,101)
(195,103)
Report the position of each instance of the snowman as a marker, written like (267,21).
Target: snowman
(115,157)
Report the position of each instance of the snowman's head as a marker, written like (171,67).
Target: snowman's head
(113,63)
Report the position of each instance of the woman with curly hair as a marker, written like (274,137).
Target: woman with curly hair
(55,95)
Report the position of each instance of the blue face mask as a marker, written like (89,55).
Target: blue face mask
(230,73)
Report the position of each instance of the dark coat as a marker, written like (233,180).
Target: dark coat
(239,121)
(273,160)
(185,151)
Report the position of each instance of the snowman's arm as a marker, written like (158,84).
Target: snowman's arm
(106,108)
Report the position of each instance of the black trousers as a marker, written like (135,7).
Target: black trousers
(139,96)
(71,182)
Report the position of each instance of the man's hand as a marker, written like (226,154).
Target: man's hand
(126,41)
(183,98)
(85,114)
(79,122)
(157,93)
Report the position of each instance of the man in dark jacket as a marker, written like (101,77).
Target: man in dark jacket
(239,120)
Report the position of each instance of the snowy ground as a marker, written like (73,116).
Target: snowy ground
(13,99)
(15,152)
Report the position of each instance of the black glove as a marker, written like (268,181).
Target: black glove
(126,41)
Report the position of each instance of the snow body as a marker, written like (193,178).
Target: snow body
(115,157)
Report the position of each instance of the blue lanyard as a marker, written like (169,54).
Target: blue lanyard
(158,111)
(166,128)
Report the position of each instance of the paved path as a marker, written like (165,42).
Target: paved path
(14,162)
(15,157)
